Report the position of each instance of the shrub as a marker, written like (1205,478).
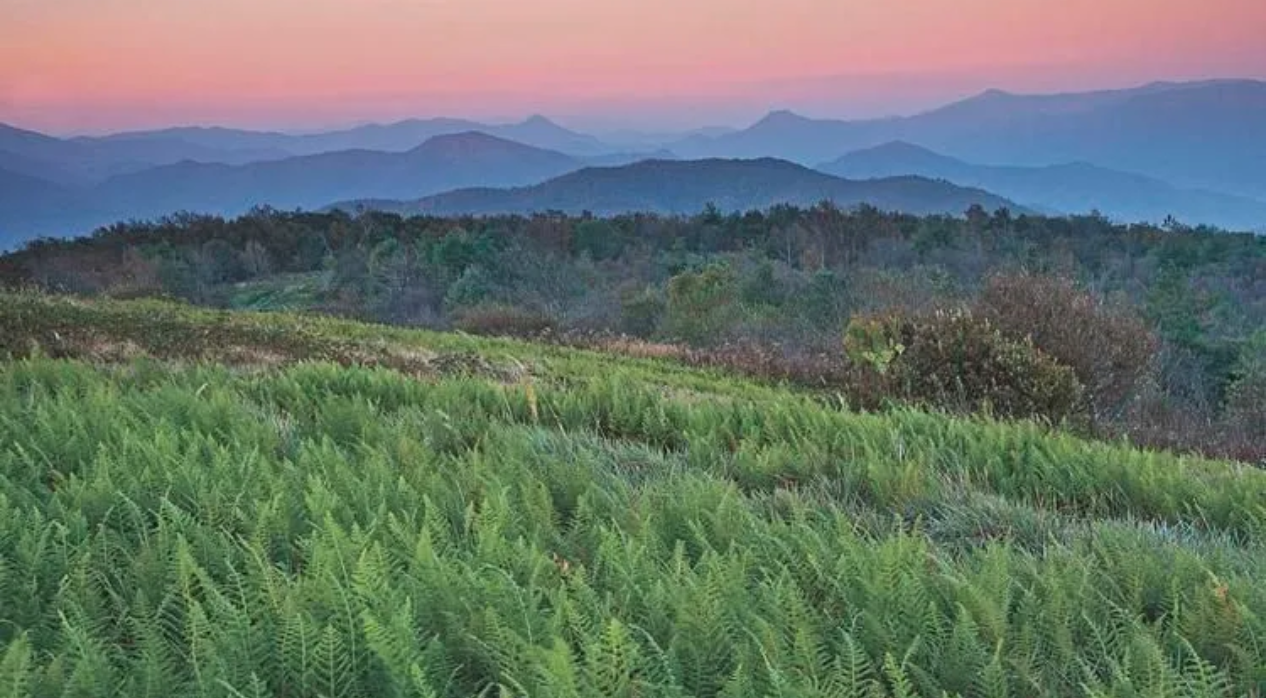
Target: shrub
(598,238)
(760,285)
(502,320)
(702,305)
(137,277)
(641,311)
(474,287)
(960,361)
(1245,410)
(1109,348)
(873,342)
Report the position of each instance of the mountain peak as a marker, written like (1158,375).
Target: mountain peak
(465,140)
(539,121)
(479,145)
(674,187)
(781,118)
(893,157)
(994,93)
(901,147)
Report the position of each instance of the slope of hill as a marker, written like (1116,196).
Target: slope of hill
(37,146)
(81,161)
(667,186)
(35,154)
(317,529)
(31,207)
(44,168)
(1204,134)
(541,132)
(211,137)
(1067,188)
(169,147)
(441,163)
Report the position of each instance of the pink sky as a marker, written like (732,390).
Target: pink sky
(93,65)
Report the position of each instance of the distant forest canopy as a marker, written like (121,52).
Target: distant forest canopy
(788,280)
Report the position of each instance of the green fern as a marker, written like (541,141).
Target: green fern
(303,531)
(16,667)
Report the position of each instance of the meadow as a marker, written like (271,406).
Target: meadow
(213,503)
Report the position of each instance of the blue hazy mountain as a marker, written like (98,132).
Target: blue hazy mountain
(394,137)
(31,206)
(441,163)
(1076,187)
(674,186)
(1193,135)
(1194,150)
(88,160)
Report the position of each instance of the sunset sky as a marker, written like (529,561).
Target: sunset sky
(69,66)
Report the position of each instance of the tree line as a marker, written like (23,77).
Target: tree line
(1159,326)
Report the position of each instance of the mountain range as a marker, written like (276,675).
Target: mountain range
(1203,134)
(37,206)
(673,186)
(311,181)
(89,160)
(1193,150)
(1069,188)
(450,163)
(400,136)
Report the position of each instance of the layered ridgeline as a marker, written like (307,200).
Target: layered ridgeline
(92,159)
(1190,150)
(1076,187)
(1201,135)
(309,182)
(676,187)
(446,516)
(304,182)
(33,206)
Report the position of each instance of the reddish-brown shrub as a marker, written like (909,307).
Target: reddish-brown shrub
(135,277)
(1109,348)
(502,320)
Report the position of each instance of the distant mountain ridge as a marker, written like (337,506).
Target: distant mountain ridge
(393,137)
(1197,150)
(1067,188)
(88,160)
(441,163)
(30,206)
(668,186)
(1197,135)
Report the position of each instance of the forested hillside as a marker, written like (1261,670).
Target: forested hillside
(1161,327)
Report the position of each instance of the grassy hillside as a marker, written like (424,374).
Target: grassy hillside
(209,503)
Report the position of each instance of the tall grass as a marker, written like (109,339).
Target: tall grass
(328,530)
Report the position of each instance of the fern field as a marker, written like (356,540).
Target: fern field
(175,528)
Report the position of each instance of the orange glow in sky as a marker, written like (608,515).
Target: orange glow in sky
(84,65)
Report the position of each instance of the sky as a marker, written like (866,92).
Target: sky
(90,66)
